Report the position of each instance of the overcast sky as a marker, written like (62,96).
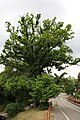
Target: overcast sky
(67,11)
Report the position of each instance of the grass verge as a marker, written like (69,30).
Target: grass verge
(32,114)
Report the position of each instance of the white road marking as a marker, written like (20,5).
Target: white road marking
(67,118)
(70,106)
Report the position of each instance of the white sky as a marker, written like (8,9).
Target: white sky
(67,11)
(71,70)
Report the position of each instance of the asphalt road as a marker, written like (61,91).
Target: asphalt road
(65,110)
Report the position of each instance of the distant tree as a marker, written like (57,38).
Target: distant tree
(78,84)
(79,76)
(59,79)
(33,46)
(69,85)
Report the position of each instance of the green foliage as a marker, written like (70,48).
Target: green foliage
(1,108)
(32,47)
(13,108)
(44,88)
(67,84)
(18,87)
(77,95)
(15,88)
(25,90)
(70,85)
(3,79)
(78,84)
(79,76)
(2,97)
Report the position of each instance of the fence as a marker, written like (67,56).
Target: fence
(47,115)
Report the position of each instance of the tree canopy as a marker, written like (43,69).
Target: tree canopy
(35,45)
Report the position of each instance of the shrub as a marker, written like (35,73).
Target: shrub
(43,105)
(77,95)
(13,108)
(1,108)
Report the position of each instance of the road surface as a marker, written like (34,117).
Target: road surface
(65,110)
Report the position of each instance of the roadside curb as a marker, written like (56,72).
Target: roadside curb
(74,102)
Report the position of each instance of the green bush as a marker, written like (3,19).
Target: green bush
(13,108)
(44,88)
(77,95)
(43,105)
(1,108)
